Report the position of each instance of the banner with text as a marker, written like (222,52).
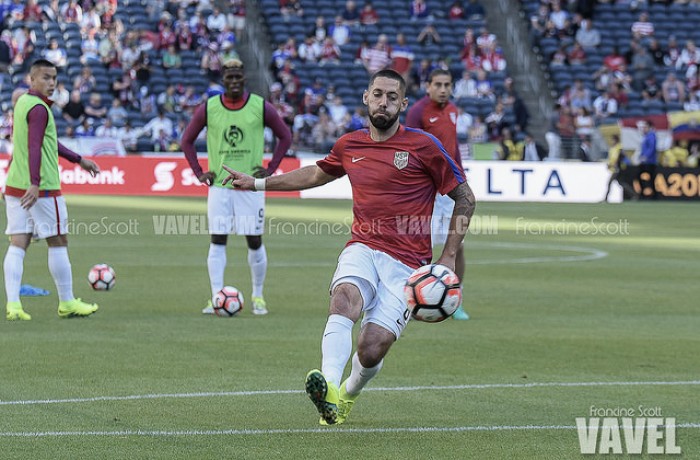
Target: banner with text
(554,182)
(142,175)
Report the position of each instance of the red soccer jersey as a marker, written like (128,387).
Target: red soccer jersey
(393,187)
(441,122)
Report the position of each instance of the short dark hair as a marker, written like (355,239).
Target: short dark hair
(437,72)
(42,63)
(390,74)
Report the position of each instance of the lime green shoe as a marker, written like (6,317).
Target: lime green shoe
(324,395)
(259,306)
(460,314)
(76,307)
(345,402)
(15,312)
(209,309)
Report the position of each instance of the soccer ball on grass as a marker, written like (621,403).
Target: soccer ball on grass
(227,302)
(101,277)
(433,293)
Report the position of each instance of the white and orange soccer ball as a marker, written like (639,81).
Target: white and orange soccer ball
(102,277)
(227,302)
(433,293)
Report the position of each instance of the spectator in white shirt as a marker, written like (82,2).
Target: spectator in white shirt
(338,111)
(604,106)
(464,122)
(56,54)
(107,130)
(587,36)
(339,31)
(157,125)
(216,20)
(465,86)
(310,50)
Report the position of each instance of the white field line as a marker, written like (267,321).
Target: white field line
(485,386)
(333,430)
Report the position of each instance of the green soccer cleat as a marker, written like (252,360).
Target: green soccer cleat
(76,307)
(259,306)
(15,312)
(324,395)
(345,402)
(460,314)
(209,309)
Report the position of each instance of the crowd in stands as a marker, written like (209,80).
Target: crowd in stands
(129,69)
(326,48)
(136,68)
(612,59)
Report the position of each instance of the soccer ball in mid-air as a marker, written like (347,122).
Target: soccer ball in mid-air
(227,302)
(101,277)
(433,293)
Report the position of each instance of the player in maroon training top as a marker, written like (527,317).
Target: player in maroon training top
(436,115)
(395,173)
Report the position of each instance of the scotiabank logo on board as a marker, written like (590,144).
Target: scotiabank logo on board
(169,176)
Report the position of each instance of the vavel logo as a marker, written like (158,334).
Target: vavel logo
(618,431)
(164,174)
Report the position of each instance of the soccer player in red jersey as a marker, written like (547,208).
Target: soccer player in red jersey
(395,173)
(435,114)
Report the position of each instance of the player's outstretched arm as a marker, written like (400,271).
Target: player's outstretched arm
(465,204)
(299,179)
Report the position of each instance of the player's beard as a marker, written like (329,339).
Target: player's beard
(382,122)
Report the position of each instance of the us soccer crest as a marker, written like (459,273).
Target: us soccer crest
(233,135)
(400,159)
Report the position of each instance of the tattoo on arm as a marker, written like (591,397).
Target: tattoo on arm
(465,204)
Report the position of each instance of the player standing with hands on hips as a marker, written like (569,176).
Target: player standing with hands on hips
(235,122)
(435,114)
(395,173)
(33,199)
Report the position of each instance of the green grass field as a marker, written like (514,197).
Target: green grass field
(572,306)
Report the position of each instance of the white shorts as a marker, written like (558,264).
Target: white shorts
(48,217)
(380,279)
(235,211)
(440,222)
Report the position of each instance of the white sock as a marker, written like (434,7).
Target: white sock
(257,259)
(216,262)
(360,376)
(13,268)
(336,347)
(59,266)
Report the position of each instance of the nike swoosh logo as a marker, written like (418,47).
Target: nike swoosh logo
(355,160)
(433,119)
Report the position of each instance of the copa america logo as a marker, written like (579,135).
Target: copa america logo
(233,135)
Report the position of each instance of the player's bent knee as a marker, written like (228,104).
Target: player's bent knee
(374,343)
(346,300)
